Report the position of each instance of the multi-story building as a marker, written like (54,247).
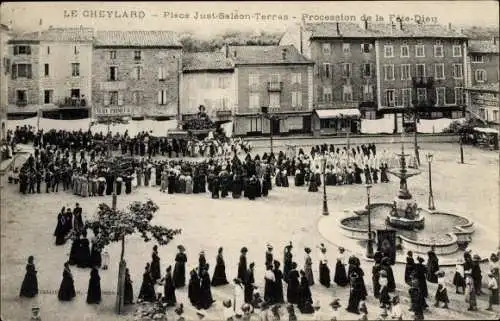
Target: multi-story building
(382,69)
(51,71)
(208,80)
(4,79)
(276,77)
(484,101)
(136,73)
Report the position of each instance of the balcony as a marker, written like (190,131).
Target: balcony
(223,113)
(21,103)
(274,85)
(72,102)
(423,82)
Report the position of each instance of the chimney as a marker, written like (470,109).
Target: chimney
(283,53)
(366,24)
(39,33)
(401,24)
(226,48)
(338,28)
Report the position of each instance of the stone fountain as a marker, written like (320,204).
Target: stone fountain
(405,213)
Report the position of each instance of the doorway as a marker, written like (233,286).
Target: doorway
(275,126)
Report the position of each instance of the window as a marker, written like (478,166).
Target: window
(46,70)
(162,73)
(21,71)
(367,93)
(113,73)
(370,115)
(162,97)
(438,50)
(367,70)
(457,71)
(48,96)
(112,54)
(347,93)
(457,51)
(254,101)
(346,48)
(480,75)
(420,72)
(406,97)
(326,70)
(137,73)
(390,97)
(75,50)
(296,99)
(21,97)
(274,78)
(136,97)
(405,72)
(389,72)
(482,113)
(439,71)
(421,95)
(405,51)
(274,100)
(495,115)
(459,96)
(223,82)
(477,59)
(388,51)
(346,70)
(441,96)
(75,69)
(137,55)
(75,93)
(22,50)
(419,51)
(48,50)
(365,47)
(253,80)
(326,48)
(327,94)
(297,78)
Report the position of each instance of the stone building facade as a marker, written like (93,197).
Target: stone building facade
(4,79)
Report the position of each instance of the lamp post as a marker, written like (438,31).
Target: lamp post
(325,201)
(461,149)
(272,118)
(431,197)
(369,250)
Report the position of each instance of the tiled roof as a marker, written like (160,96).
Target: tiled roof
(206,61)
(483,46)
(137,38)
(58,35)
(354,30)
(267,55)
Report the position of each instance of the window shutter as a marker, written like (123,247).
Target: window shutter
(16,50)
(28,50)
(299,99)
(14,71)
(28,71)
(106,99)
(331,70)
(159,77)
(159,97)
(133,76)
(320,93)
(120,99)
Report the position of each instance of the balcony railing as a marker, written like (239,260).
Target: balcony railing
(274,85)
(21,103)
(423,82)
(223,113)
(72,102)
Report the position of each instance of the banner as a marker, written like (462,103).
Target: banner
(386,244)
(112,111)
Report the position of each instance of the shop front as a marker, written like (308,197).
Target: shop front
(336,121)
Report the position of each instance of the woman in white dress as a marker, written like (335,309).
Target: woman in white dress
(239,297)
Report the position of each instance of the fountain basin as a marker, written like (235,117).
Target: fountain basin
(445,232)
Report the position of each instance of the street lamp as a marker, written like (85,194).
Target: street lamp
(369,250)
(431,197)
(272,118)
(325,202)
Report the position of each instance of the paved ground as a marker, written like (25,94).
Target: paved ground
(27,224)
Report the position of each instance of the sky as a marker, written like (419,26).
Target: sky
(206,18)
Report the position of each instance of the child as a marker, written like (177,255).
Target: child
(335,307)
(384,298)
(291,313)
(441,292)
(470,291)
(228,310)
(105,260)
(179,311)
(458,279)
(493,287)
(363,310)
(396,313)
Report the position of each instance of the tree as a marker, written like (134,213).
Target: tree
(114,225)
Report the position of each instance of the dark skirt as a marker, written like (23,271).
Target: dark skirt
(458,280)
(66,290)
(179,275)
(442,295)
(128,296)
(29,288)
(324,275)
(94,292)
(340,277)
(95,258)
(147,292)
(494,297)
(73,254)
(219,277)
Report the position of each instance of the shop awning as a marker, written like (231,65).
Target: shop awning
(337,113)
(486,130)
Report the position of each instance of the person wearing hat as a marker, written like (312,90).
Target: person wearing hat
(269,287)
(155,265)
(278,283)
(355,294)
(206,299)
(202,262)
(324,270)
(169,288)
(269,255)
(219,277)
(242,265)
(386,266)
(441,292)
(409,267)
(384,298)
(340,277)
(470,291)
(420,273)
(180,268)
(287,261)
(458,278)
(29,287)
(308,266)
(194,290)
(476,274)
(147,292)
(249,282)
(432,266)
(376,269)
